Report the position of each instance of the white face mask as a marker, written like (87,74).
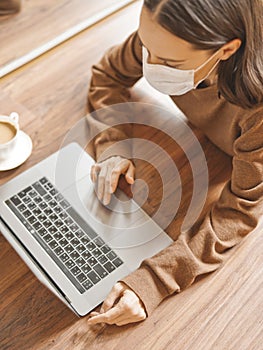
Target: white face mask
(171,81)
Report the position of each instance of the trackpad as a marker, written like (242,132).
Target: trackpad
(122,224)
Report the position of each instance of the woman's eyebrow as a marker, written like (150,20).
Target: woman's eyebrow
(170,59)
(161,58)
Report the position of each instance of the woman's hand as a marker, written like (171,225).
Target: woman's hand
(107,174)
(121,306)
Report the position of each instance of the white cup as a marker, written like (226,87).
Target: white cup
(7,148)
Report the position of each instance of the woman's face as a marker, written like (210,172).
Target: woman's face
(167,49)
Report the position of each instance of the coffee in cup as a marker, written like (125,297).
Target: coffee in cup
(7,132)
(9,129)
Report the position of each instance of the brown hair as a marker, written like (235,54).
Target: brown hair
(209,24)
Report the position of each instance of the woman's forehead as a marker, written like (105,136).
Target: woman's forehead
(160,41)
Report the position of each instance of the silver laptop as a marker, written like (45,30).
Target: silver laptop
(75,245)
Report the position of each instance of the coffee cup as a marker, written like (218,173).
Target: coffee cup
(9,129)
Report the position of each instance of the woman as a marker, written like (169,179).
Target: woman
(207,54)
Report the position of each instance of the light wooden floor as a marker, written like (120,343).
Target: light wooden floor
(41,21)
(221,311)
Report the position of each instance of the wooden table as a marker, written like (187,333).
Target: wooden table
(221,311)
(41,24)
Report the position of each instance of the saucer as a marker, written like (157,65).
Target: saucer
(21,152)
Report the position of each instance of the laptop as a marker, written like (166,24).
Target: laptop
(75,245)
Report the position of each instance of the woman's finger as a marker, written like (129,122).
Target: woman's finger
(114,294)
(107,317)
(130,174)
(121,168)
(94,172)
(101,181)
(107,187)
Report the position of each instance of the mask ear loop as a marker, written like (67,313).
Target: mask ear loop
(211,70)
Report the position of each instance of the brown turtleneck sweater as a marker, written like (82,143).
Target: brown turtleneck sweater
(236,131)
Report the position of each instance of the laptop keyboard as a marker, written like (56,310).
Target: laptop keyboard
(74,246)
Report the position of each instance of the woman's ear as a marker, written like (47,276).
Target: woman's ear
(230,48)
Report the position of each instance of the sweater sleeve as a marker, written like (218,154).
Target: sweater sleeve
(118,70)
(201,250)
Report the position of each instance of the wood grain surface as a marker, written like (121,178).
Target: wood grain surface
(220,311)
(41,21)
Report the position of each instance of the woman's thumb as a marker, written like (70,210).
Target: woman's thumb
(129,176)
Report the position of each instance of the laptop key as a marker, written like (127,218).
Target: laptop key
(21,207)
(102,259)
(43,180)
(53,191)
(85,240)
(109,266)
(64,204)
(69,249)
(87,284)
(117,262)
(42,231)
(32,219)
(81,277)
(52,230)
(69,235)
(105,249)
(37,226)
(86,255)
(111,255)
(93,277)
(47,223)
(62,214)
(80,262)
(99,241)
(52,203)
(57,209)
(32,194)
(100,271)
(75,271)
(37,186)
(26,199)
(53,217)
(86,268)
(74,255)
(79,233)
(64,257)
(47,238)
(59,251)
(75,242)
(37,199)
(63,242)
(80,248)
(31,205)
(92,261)
(57,236)
(96,252)
(70,263)
(73,228)
(16,201)
(43,205)
(48,211)
(37,211)
(90,246)
(47,197)
(53,244)
(64,229)
(27,214)
(42,217)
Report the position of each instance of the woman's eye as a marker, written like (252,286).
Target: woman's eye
(170,65)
